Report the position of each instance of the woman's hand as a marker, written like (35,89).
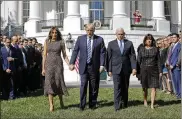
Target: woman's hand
(43,72)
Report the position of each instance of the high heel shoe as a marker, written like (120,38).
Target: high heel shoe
(51,108)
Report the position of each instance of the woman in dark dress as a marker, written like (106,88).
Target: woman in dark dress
(149,62)
(52,66)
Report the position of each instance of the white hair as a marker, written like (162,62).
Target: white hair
(119,29)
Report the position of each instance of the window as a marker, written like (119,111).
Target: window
(26,9)
(96,10)
(167,10)
(60,10)
(133,7)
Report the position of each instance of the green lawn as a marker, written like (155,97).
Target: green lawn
(37,107)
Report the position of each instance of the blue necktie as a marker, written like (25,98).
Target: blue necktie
(89,54)
(121,46)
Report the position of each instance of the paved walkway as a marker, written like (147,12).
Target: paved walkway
(104,84)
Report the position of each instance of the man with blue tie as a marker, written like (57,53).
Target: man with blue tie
(173,63)
(120,63)
(8,58)
(91,63)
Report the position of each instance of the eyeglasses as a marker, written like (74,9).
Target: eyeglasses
(8,42)
(120,34)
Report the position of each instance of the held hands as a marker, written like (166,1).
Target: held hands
(134,72)
(71,67)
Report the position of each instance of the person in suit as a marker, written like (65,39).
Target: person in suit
(121,62)
(173,60)
(8,56)
(91,63)
(1,68)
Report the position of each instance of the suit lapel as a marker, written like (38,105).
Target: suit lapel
(125,43)
(94,43)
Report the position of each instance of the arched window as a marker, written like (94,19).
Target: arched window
(96,10)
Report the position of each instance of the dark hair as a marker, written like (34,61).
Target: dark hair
(149,36)
(24,40)
(177,35)
(34,39)
(59,35)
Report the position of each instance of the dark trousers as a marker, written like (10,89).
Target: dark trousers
(8,86)
(23,82)
(121,85)
(93,79)
(176,73)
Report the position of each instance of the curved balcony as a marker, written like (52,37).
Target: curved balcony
(144,24)
(47,24)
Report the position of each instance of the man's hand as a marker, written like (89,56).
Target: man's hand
(160,74)
(171,67)
(101,69)
(8,70)
(110,74)
(10,59)
(134,72)
(71,67)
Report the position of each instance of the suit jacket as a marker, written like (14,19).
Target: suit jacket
(5,54)
(117,61)
(98,53)
(173,59)
(19,58)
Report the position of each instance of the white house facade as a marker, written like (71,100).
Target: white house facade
(37,17)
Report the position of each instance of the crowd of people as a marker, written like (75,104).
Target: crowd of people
(24,62)
(20,67)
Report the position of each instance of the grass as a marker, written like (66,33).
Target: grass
(37,107)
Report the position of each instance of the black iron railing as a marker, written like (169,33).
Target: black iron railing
(144,23)
(106,22)
(44,24)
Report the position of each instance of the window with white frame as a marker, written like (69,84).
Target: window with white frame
(60,10)
(167,10)
(26,9)
(96,11)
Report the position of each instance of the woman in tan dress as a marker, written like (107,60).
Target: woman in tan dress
(52,67)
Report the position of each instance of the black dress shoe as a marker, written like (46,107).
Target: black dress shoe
(81,109)
(116,110)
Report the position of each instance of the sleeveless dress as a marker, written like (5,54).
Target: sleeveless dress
(54,76)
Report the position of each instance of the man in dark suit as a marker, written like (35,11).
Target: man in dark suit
(8,56)
(18,65)
(173,60)
(121,62)
(1,68)
(91,62)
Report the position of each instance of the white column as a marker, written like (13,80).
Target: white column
(35,13)
(158,10)
(162,25)
(120,18)
(20,16)
(119,9)
(51,13)
(73,8)
(35,10)
(13,11)
(179,12)
(73,20)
